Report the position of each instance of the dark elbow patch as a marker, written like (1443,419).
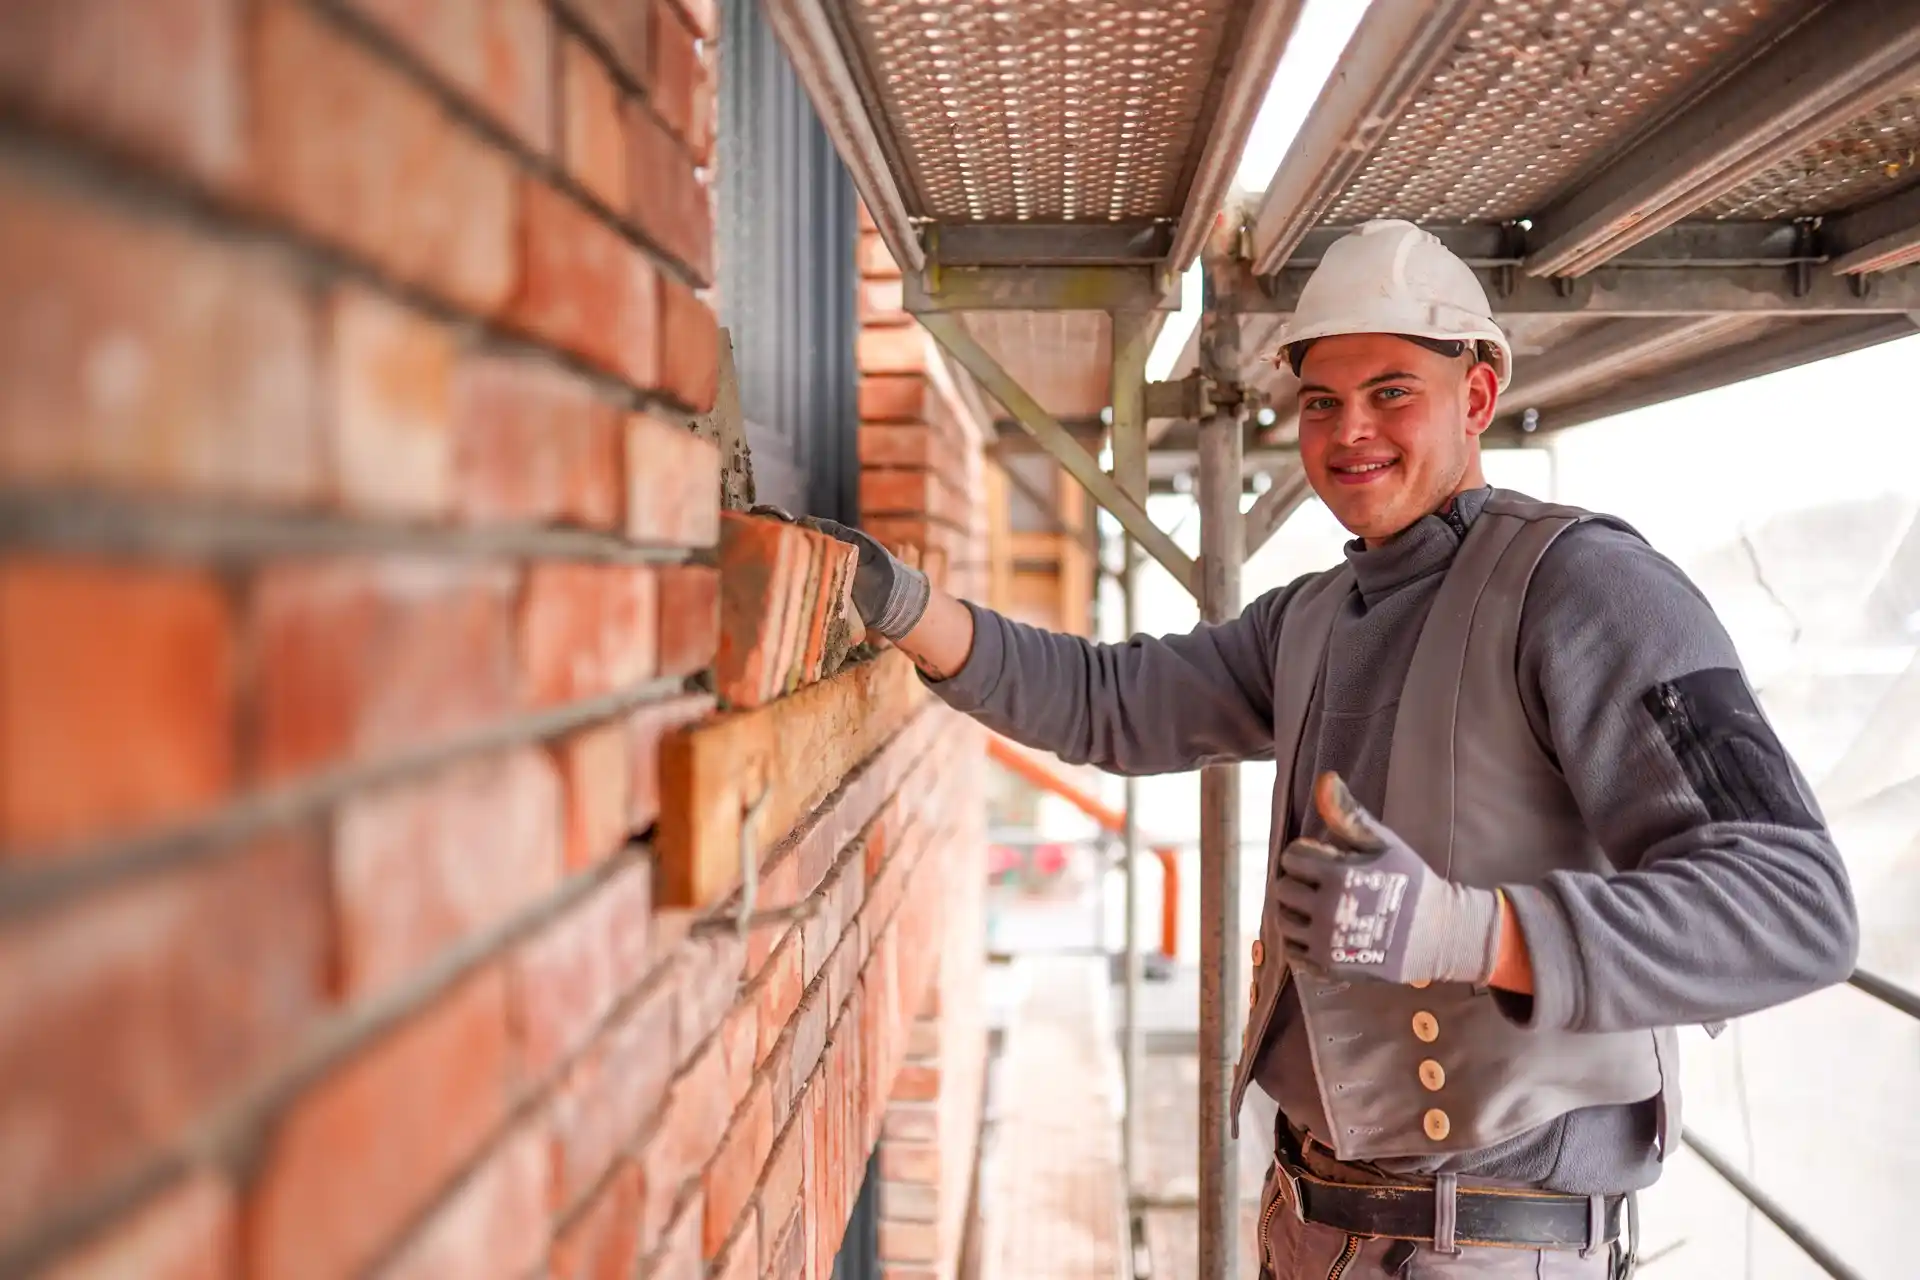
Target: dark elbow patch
(1728,751)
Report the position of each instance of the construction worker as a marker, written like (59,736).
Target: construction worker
(1528,816)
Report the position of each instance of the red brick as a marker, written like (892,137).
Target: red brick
(117,699)
(494,1227)
(533,443)
(735,1171)
(586,630)
(627,899)
(883,302)
(909,1241)
(888,491)
(362,657)
(709,986)
(810,1022)
(134,355)
(874,259)
(351,152)
(741,1258)
(688,1136)
(497,53)
(910,1201)
(621,26)
(420,866)
(365,1148)
(778,995)
(689,349)
(906,398)
(679,1256)
(910,1162)
(610,1094)
(673,483)
(911,1122)
(780,1191)
(604,1240)
(672,208)
(646,726)
(786,1259)
(187,1232)
(739,1040)
(567,978)
(584,289)
(894,350)
(204,977)
(689,617)
(156,79)
(762,564)
(883,445)
(678,84)
(595,145)
(392,376)
(778,888)
(595,772)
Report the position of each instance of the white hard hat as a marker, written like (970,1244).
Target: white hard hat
(1389,276)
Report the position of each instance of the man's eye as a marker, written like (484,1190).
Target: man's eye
(1392,393)
(1318,404)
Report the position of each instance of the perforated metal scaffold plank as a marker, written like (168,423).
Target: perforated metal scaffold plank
(1010,112)
(1536,92)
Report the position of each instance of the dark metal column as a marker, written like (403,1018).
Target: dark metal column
(1221,554)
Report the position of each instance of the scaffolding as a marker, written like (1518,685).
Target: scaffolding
(1660,197)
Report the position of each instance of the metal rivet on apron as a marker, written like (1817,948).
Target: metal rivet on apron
(1259,953)
(1426,1027)
(1437,1125)
(1433,1076)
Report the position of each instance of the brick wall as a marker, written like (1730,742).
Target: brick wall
(923,489)
(358,560)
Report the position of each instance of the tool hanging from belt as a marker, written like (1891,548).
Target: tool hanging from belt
(1449,1217)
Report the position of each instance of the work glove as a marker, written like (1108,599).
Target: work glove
(889,595)
(1364,904)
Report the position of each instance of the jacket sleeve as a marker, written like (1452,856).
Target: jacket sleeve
(1731,896)
(1150,705)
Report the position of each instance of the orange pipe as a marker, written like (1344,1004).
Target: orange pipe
(1016,760)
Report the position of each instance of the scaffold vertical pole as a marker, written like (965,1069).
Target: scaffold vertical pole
(1221,553)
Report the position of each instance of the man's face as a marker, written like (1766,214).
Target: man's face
(1390,430)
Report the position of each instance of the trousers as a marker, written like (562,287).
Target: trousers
(1291,1249)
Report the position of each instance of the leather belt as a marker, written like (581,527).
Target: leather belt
(1483,1216)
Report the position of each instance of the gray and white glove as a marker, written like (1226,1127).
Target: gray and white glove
(1364,904)
(889,594)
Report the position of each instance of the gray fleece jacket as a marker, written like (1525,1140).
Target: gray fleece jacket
(1719,908)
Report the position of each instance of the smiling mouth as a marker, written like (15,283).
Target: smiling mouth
(1362,472)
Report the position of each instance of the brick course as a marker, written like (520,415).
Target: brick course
(337,947)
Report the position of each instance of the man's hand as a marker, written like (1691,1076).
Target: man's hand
(1363,904)
(890,596)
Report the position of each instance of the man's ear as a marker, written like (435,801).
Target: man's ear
(1483,394)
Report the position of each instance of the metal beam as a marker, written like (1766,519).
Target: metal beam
(1654,291)
(1849,57)
(805,33)
(1794,345)
(1876,237)
(1127,393)
(1221,557)
(1165,464)
(1029,244)
(1389,59)
(1257,50)
(942,290)
(1695,242)
(950,333)
(1270,510)
(1610,355)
